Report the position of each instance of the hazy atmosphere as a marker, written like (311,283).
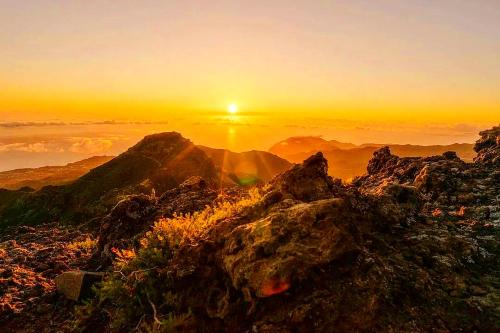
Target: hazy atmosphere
(358,71)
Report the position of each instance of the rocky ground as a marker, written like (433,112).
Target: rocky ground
(412,246)
(30,259)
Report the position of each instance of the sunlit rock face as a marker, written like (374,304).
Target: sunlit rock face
(269,255)
(410,231)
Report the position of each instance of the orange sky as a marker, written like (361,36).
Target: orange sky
(333,68)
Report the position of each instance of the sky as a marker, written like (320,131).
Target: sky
(414,71)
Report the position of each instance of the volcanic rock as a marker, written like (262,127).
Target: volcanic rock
(488,147)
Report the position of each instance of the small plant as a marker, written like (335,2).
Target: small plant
(88,245)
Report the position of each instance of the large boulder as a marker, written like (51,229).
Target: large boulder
(269,255)
(130,217)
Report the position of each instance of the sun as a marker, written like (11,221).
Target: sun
(232,108)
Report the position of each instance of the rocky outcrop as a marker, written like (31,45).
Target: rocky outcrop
(308,181)
(444,183)
(268,256)
(401,249)
(488,147)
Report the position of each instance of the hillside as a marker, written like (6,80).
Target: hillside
(410,246)
(348,161)
(159,162)
(36,178)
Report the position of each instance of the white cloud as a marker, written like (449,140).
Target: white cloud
(90,145)
(38,147)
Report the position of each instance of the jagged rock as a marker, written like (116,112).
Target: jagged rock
(488,147)
(308,181)
(128,218)
(76,285)
(192,195)
(382,158)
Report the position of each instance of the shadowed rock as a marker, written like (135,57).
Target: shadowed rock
(488,147)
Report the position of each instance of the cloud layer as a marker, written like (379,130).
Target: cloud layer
(16,124)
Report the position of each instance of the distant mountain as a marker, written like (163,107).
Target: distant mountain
(248,167)
(347,160)
(297,144)
(37,178)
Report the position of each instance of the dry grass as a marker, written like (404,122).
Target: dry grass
(88,245)
(141,296)
(190,228)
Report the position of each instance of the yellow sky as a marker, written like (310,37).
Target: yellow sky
(387,62)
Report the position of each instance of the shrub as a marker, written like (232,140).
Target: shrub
(140,292)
